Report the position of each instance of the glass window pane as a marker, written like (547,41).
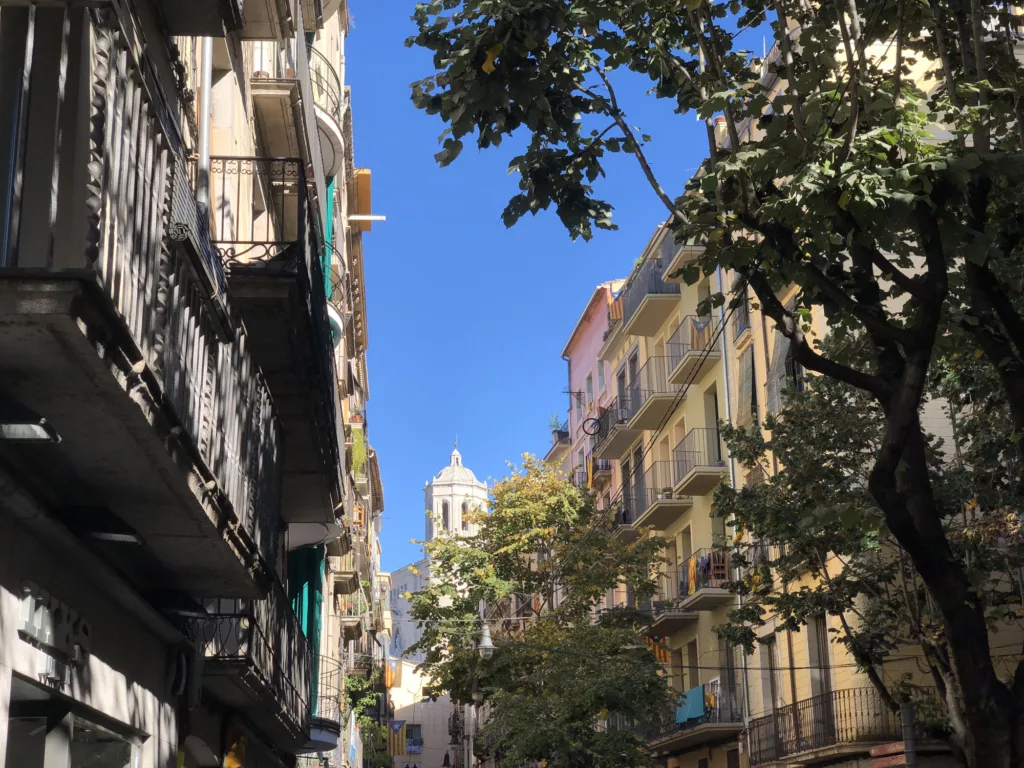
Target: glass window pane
(96,747)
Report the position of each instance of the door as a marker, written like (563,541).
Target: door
(634,383)
(639,480)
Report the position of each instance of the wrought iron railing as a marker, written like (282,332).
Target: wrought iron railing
(646,281)
(700,448)
(848,716)
(326,84)
(654,485)
(704,569)
(600,465)
(618,413)
(705,704)
(284,238)
(651,380)
(329,691)
(694,335)
(264,635)
(580,478)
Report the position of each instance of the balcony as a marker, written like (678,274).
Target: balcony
(693,349)
(269,20)
(679,257)
(345,573)
(704,716)
(328,96)
(580,479)
(654,498)
(328,704)
(258,662)
(652,395)
(823,729)
(600,471)
(271,248)
(624,524)
(284,108)
(114,325)
(354,616)
(708,714)
(700,583)
(648,301)
(700,462)
(614,435)
(560,444)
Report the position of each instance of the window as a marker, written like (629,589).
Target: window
(465,511)
(747,411)
(580,460)
(590,388)
(445,516)
(579,407)
(413,739)
(817,642)
(600,377)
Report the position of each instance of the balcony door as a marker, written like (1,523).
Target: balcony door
(634,382)
(639,480)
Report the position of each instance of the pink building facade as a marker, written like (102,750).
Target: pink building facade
(592,389)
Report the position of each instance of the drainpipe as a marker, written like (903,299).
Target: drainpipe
(205,86)
(732,473)
(725,374)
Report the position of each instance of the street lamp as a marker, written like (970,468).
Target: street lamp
(484,646)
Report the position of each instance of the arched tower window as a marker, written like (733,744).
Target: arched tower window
(445,516)
(465,511)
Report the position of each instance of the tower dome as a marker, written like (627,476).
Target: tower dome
(450,496)
(455,472)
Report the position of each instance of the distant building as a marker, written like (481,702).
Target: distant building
(431,726)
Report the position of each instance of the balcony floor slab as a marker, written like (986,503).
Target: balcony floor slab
(65,355)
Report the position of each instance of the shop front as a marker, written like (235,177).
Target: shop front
(87,669)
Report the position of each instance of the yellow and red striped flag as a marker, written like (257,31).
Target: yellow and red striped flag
(396,737)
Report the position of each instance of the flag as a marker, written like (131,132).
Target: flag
(590,474)
(396,737)
(389,673)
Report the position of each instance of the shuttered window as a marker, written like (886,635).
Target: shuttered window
(747,412)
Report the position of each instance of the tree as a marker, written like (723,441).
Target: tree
(542,561)
(815,517)
(361,697)
(881,186)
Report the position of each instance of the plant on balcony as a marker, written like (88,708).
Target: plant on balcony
(665,493)
(358,452)
(556,675)
(817,522)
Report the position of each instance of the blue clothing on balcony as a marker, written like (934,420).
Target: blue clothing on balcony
(692,705)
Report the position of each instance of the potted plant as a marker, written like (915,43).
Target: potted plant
(664,493)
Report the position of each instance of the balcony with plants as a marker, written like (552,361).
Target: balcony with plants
(654,499)
(560,441)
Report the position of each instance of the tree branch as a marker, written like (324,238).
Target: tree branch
(637,151)
(801,351)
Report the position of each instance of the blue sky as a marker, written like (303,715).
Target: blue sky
(467,319)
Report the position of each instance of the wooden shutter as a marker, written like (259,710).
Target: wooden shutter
(777,372)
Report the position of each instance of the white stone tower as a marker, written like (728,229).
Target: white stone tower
(452,493)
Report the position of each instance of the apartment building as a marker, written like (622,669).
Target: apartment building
(191,502)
